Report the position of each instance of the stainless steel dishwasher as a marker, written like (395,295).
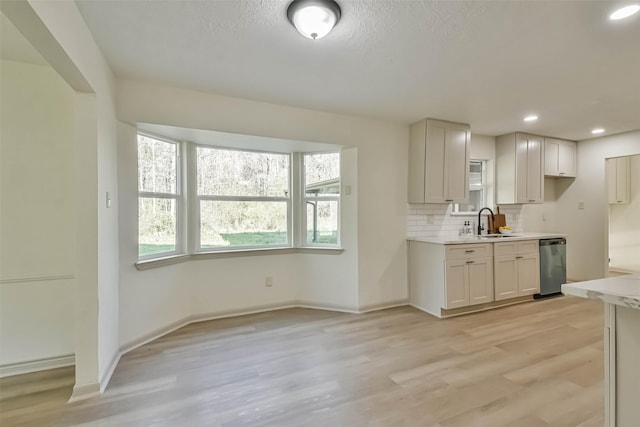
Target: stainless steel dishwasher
(553,266)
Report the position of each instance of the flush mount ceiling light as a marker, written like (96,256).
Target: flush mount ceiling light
(313,18)
(531,118)
(597,131)
(624,12)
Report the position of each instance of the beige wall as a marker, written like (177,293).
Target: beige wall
(372,269)
(587,228)
(37,212)
(624,224)
(59,33)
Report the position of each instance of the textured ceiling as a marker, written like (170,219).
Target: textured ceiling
(487,63)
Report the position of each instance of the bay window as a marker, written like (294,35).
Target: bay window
(233,199)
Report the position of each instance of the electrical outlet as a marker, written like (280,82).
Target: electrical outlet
(581,204)
(268,281)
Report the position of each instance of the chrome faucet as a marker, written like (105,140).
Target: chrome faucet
(480,225)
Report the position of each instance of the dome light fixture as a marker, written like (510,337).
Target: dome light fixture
(597,131)
(314,18)
(531,118)
(624,12)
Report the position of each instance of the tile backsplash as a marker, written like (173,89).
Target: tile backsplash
(436,220)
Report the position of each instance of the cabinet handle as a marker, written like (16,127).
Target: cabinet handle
(469,251)
(470,262)
(562,173)
(532,200)
(519,257)
(448,200)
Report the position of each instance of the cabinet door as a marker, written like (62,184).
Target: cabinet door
(417,153)
(480,277)
(567,158)
(528,267)
(521,168)
(612,179)
(456,289)
(506,277)
(622,180)
(617,170)
(551,153)
(457,163)
(434,178)
(535,176)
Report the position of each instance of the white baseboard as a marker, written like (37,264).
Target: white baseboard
(19,368)
(158,333)
(104,381)
(85,391)
(391,304)
(328,307)
(235,313)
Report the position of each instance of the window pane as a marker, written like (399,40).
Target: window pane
(322,174)
(246,223)
(475,175)
(156,225)
(157,165)
(242,173)
(322,221)
(476,201)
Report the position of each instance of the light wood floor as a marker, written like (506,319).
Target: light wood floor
(529,365)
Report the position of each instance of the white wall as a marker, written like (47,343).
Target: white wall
(37,212)
(59,33)
(624,225)
(373,216)
(587,244)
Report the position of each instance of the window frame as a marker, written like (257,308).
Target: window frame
(178,197)
(188,240)
(304,200)
(196,200)
(485,189)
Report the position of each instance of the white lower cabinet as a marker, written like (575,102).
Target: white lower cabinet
(468,282)
(516,269)
(445,277)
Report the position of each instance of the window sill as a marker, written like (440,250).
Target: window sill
(178,259)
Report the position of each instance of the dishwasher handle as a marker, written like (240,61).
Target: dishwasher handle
(550,242)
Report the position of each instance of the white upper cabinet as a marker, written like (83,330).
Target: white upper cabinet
(618,180)
(519,168)
(560,158)
(439,162)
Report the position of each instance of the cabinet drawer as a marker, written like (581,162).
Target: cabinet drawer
(478,250)
(528,246)
(515,247)
(505,248)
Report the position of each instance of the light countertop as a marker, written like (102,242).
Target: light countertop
(459,240)
(619,290)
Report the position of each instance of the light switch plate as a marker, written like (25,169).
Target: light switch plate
(581,204)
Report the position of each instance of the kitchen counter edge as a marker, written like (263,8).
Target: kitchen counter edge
(474,240)
(620,290)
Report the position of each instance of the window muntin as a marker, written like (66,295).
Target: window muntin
(243,199)
(477,188)
(158,197)
(322,198)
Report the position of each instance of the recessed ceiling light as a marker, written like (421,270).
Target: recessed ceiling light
(624,12)
(597,131)
(531,118)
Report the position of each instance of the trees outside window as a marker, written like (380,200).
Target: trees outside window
(234,199)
